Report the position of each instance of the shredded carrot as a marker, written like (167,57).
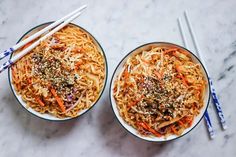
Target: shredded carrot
(197,93)
(132,104)
(77,64)
(173,129)
(189,120)
(199,87)
(177,67)
(158,74)
(170,50)
(148,128)
(181,75)
(142,79)
(184,80)
(180,122)
(126,74)
(29,80)
(39,101)
(126,85)
(59,101)
(143,125)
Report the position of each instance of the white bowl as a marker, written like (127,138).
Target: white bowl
(48,116)
(129,128)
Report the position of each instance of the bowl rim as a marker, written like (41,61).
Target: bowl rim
(101,93)
(132,51)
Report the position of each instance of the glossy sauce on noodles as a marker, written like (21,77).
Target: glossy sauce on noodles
(159,91)
(63,75)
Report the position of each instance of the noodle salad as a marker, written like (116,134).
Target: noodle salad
(62,76)
(160,91)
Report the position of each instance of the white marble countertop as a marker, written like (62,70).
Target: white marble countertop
(120,26)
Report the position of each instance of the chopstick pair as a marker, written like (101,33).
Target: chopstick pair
(213,92)
(206,114)
(59,23)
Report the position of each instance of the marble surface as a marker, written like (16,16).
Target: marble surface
(120,26)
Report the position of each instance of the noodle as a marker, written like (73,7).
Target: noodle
(159,91)
(62,76)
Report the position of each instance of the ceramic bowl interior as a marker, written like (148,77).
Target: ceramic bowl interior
(117,72)
(48,116)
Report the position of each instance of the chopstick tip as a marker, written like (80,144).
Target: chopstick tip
(85,6)
(224,127)
(185,12)
(212,136)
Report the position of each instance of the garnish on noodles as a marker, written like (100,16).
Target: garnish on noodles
(63,75)
(160,91)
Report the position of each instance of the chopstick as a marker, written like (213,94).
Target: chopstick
(28,49)
(182,33)
(209,125)
(34,36)
(206,114)
(213,91)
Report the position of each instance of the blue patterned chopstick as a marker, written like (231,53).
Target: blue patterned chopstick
(218,106)
(206,115)
(6,53)
(6,65)
(209,125)
(213,92)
